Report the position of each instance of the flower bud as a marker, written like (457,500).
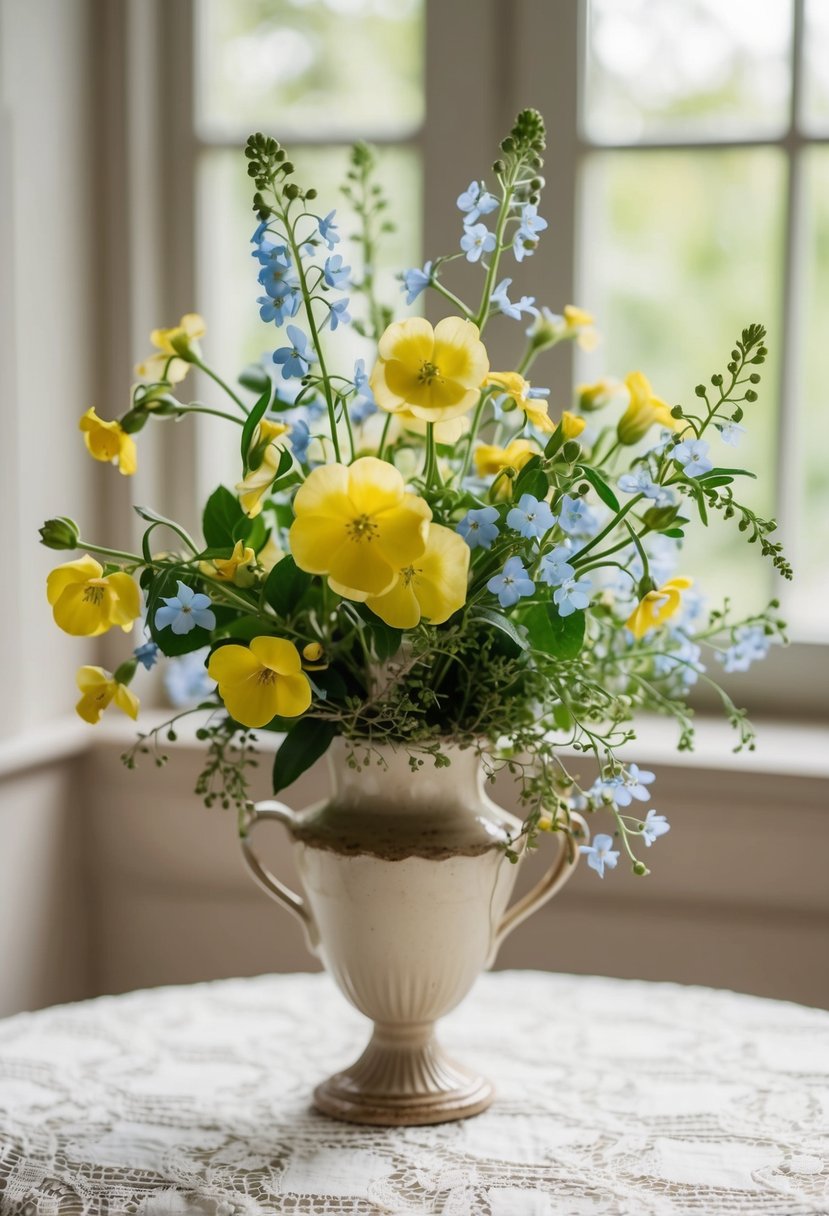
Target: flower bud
(312,652)
(660,518)
(124,673)
(592,397)
(571,425)
(60,533)
(640,869)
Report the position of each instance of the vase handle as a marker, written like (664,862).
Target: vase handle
(556,876)
(262,812)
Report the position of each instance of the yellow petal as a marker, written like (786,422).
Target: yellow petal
(324,492)
(98,688)
(399,607)
(127,701)
(374,485)
(315,540)
(253,702)
(81,616)
(293,695)
(459,352)
(442,574)
(402,532)
(127,455)
(232,664)
(125,607)
(278,654)
(361,564)
(193,325)
(79,571)
(411,341)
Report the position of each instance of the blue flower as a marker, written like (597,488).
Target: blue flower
(279,309)
(477,239)
(501,301)
(751,643)
(296,359)
(654,827)
(682,662)
(575,516)
(270,254)
(338,314)
(633,784)
(415,281)
(730,433)
(532,223)
(476,201)
(600,854)
(511,584)
(259,232)
(663,555)
(641,482)
(479,528)
(185,611)
(555,569)
(278,279)
(328,230)
(334,273)
(573,596)
(186,681)
(363,404)
(531,518)
(147,654)
(692,454)
(299,438)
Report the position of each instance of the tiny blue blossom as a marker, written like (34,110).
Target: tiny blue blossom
(147,655)
(572,596)
(532,223)
(523,245)
(477,239)
(334,273)
(531,518)
(731,433)
(299,438)
(750,644)
(476,201)
(415,281)
(654,827)
(295,359)
(501,301)
(338,314)
(185,610)
(555,567)
(186,681)
(575,516)
(683,662)
(363,404)
(663,556)
(259,232)
(600,854)
(512,583)
(692,454)
(633,784)
(278,309)
(479,528)
(271,254)
(328,230)
(641,482)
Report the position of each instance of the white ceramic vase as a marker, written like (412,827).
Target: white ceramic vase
(406,886)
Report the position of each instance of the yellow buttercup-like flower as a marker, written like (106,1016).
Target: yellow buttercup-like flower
(87,603)
(519,389)
(358,525)
(657,606)
(260,682)
(240,568)
(596,396)
(433,586)
(98,689)
(489,458)
(176,348)
(109,442)
(571,424)
(435,374)
(644,411)
(256,483)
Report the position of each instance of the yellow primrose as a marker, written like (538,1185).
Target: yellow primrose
(358,525)
(177,348)
(433,586)
(435,374)
(657,606)
(489,458)
(240,568)
(520,390)
(98,688)
(578,324)
(571,424)
(260,682)
(264,434)
(86,603)
(592,397)
(109,442)
(255,484)
(643,412)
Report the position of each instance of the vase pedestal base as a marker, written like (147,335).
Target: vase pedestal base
(403,1079)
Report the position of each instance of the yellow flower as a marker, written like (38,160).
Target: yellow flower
(435,374)
(550,327)
(657,606)
(259,683)
(591,397)
(256,483)
(433,585)
(98,688)
(516,387)
(109,442)
(240,568)
(578,324)
(177,348)
(571,424)
(85,603)
(358,525)
(643,412)
(312,652)
(489,458)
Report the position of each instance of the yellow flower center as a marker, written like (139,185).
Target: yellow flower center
(94,592)
(428,372)
(407,575)
(362,528)
(266,676)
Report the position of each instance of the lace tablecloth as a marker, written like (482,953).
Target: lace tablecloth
(615,1098)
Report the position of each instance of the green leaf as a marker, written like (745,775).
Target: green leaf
(601,487)
(566,636)
(252,421)
(503,624)
(384,639)
(165,586)
(221,515)
(555,442)
(285,586)
(302,747)
(675,533)
(729,472)
(532,480)
(714,483)
(562,717)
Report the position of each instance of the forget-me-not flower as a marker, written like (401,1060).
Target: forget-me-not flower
(477,239)
(333,272)
(328,230)
(575,516)
(512,583)
(147,655)
(185,610)
(654,827)
(415,281)
(500,300)
(278,309)
(363,404)
(692,454)
(338,314)
(750,644)
(259,232)
(479,527)
(641,482)
(600,854)
(532,224)
(531,518)
(296,359)
(572,596)
(476,201)
(683,661)
(634,783)
(731,433)
(555,567)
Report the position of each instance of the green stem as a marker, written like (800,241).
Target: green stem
(492,269)
(205,409)
(430,466)
(473,435)
(384,436)
(453,299)
(216,378)
(130,557)
(614,523)
(348,426)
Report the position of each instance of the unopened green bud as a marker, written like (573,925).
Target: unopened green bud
(700,390)
(751,395)
(659,518)
(60,533)
(124,673)
(640,869)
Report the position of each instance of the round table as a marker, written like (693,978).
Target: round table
(614,1097)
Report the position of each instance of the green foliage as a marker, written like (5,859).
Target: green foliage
(303,745)
(221,519)
(285,586)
